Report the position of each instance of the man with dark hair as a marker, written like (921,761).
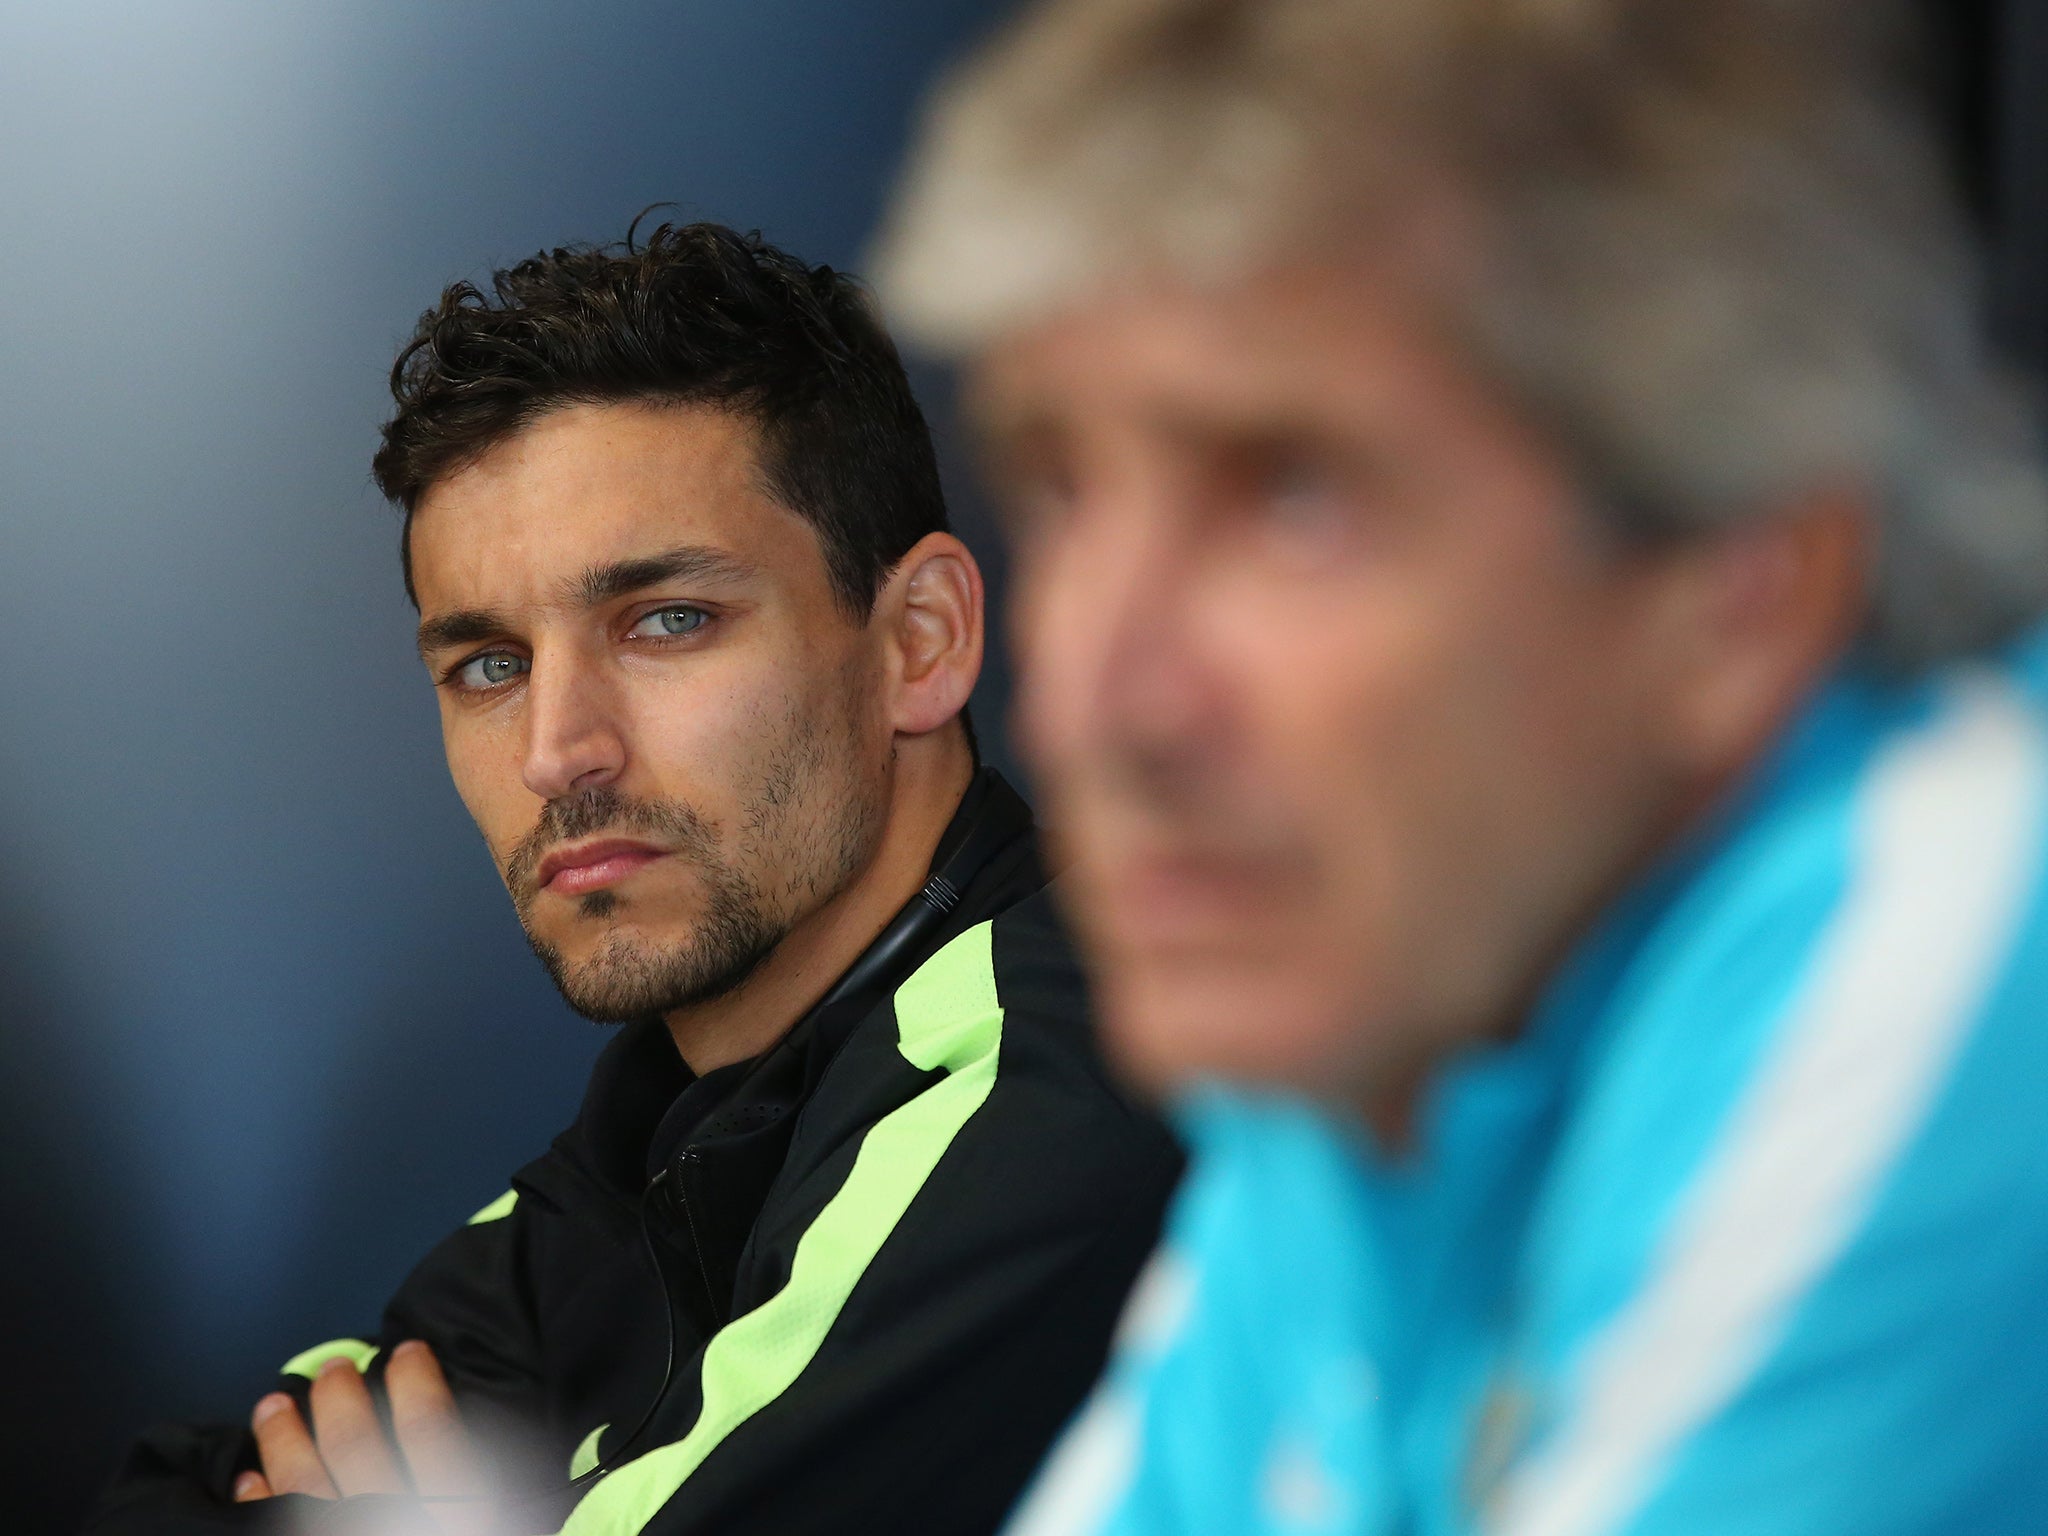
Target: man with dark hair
(703,646)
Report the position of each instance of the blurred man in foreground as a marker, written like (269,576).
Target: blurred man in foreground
(702,644)
(1526,594)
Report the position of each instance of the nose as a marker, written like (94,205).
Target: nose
(573,740)
(1113,673)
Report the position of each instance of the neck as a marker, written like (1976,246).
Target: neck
(930,778)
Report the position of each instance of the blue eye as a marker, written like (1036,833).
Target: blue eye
(493,669)
(681,619)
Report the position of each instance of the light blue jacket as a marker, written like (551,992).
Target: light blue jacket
(1747,1235)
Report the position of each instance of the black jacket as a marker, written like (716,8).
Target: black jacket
(890,1253)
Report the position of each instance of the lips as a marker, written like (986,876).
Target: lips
(580,868)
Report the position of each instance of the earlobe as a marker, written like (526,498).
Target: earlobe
(933,604)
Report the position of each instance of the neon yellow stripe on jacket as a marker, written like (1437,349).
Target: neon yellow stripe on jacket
(585,1456)
(307,1363)
(497,1210)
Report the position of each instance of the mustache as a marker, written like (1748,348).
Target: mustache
(607,809)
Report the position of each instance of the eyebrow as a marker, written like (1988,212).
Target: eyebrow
(465,626)
(595,586)
(686,562)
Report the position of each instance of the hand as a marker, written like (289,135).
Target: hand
(346,1451)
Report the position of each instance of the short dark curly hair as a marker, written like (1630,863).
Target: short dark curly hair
(694,314)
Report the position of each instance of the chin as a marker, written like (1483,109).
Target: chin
(1168,1025)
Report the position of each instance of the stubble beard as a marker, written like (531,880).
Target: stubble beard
(812,807)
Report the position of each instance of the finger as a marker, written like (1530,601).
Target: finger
(428,1425)
(290,1463)
(251,1486)
(351,1440)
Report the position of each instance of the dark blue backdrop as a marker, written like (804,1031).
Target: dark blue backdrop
(267,1027)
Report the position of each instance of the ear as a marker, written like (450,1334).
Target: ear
(1754,619)
(931,613)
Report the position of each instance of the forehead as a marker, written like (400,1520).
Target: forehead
(589,484)
(1281,348)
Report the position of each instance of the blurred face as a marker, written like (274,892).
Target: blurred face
(1345,720)
(667,730)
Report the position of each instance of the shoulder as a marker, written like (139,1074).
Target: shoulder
(998,1028)
(1051,1077)
(1862,926)
(1038,973)
(1269,1174)
(1242,1394)
(1786,1227)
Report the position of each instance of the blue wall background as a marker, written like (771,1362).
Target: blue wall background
(267,1027)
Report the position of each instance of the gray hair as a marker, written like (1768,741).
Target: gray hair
(1717,252)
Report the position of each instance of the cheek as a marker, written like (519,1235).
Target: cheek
(1087,601)
(697,742)
(854,705)
(485,768)
(1381,740)
(1340,721)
